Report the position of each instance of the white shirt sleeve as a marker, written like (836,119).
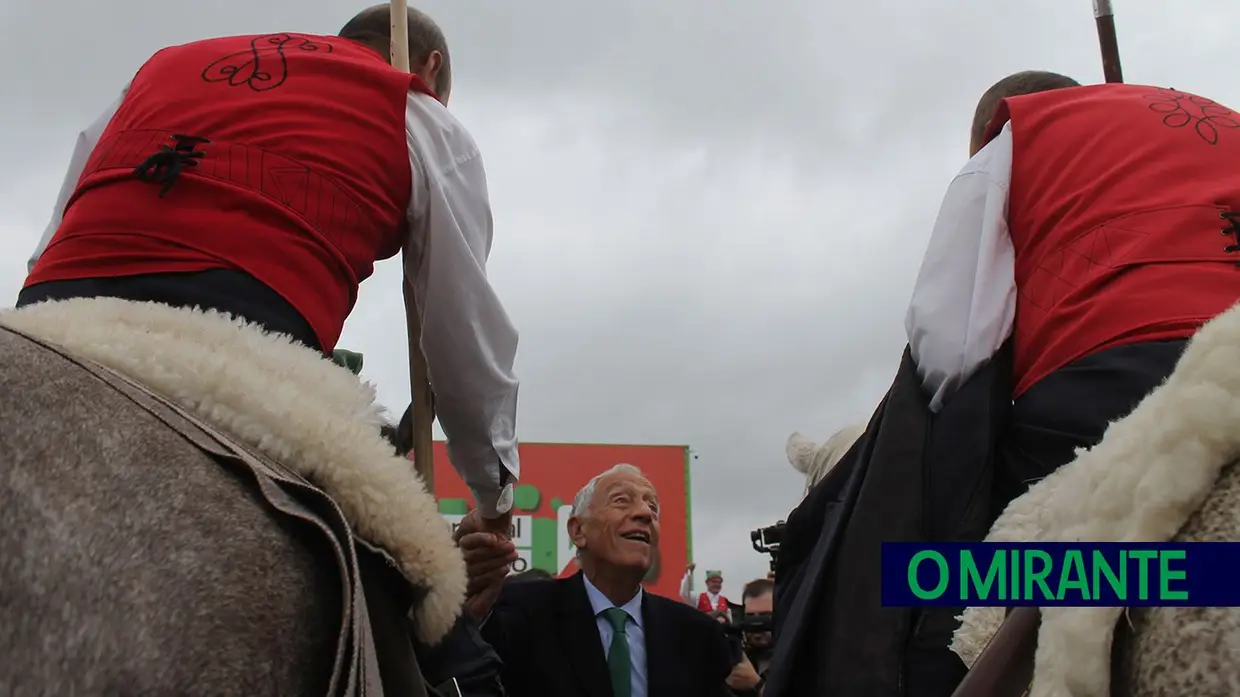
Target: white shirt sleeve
(469,342)
(964,301)
(86,142)
(686,586)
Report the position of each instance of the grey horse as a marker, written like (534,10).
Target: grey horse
(1163,473)
(141,555)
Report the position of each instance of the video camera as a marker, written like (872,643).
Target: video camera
(766,540)
(756,623)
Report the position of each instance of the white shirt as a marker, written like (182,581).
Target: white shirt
(469,342)
(634,631)
(964,301)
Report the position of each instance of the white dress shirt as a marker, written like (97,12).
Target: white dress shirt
(634,631)
(964,301)
(469,342)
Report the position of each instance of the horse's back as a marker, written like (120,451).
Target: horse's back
(133,563)
(1181,651)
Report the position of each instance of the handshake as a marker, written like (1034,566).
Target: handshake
(489,552)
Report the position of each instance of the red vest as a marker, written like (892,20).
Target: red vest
(704,603)
(1116,212)
(303,184)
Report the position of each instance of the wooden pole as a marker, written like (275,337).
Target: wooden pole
(1108,41)
(400,34)
(419,378)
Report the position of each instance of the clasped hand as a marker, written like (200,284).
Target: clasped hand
(489,552)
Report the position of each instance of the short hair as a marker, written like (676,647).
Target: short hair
(581,502)
(757,588)
(532,574)
(1014,85)
(373,27)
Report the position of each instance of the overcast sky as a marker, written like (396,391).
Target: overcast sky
(709,213)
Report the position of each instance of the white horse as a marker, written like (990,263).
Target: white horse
(814,460)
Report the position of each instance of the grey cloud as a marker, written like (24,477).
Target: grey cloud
(708,214)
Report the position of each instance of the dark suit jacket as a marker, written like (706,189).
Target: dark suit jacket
(545,633)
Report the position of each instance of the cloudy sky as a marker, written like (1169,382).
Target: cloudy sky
(709,213)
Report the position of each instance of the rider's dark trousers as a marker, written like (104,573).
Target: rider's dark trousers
(232,292)
(1071,408)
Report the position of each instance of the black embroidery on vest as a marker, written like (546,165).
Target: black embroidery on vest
(1181,109)
(1232,230)
(263,67)
(164,166)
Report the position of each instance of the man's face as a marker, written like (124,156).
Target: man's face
(762,604)
(714,584)
(621,527)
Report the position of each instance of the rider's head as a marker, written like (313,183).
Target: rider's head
(428,49)
(1027,82)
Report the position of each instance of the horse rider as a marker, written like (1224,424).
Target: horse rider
(263,176)
(1092,231)
(1096,228)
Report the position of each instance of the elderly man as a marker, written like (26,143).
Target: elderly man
(598,632)
(263,177)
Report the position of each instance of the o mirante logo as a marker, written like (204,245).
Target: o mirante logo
(1063,574)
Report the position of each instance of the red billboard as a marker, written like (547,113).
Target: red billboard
(553,473)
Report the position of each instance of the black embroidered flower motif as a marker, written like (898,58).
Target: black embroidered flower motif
(264,66)
(1233,230)
(1181,109)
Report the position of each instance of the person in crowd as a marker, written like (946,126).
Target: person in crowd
(759,601)
(709,600)
(598,631)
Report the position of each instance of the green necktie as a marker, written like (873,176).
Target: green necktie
(618,662)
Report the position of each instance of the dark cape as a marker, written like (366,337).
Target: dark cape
(913,476)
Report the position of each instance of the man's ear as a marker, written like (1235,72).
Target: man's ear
(429,72)
(577,532)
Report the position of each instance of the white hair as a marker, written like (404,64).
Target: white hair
(585,497)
